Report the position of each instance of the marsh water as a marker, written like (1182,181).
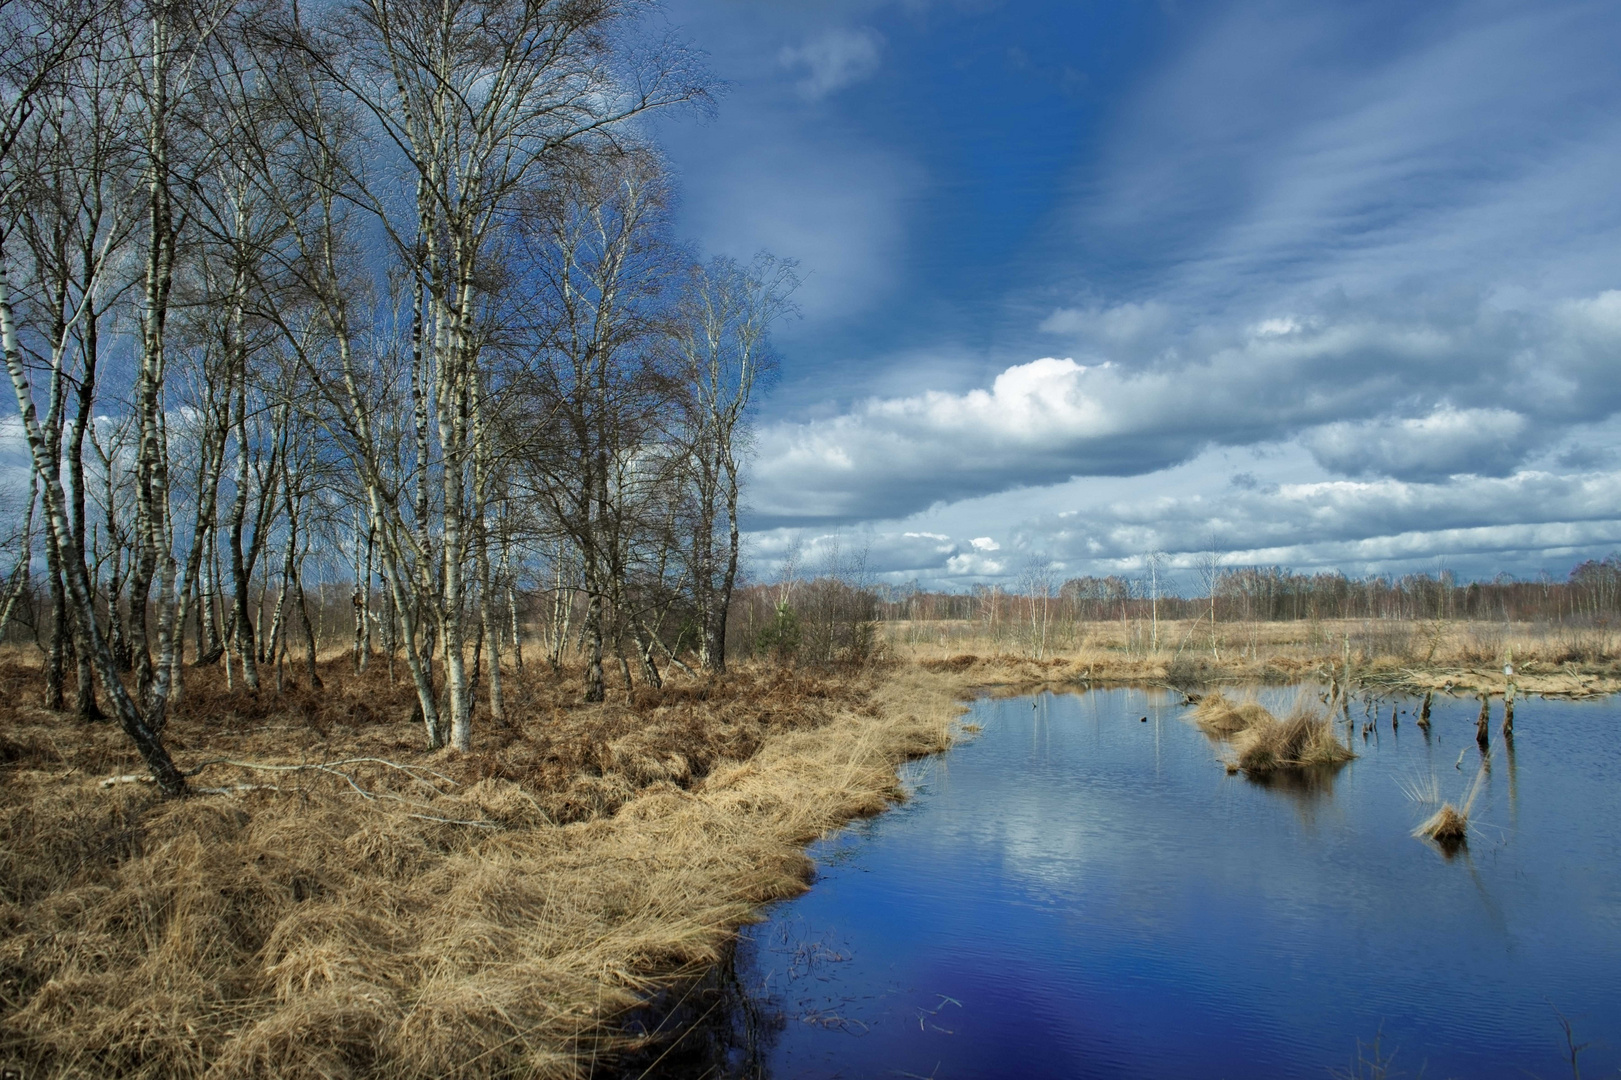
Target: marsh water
(1077,891)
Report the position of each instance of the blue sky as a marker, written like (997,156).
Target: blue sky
(1329,285)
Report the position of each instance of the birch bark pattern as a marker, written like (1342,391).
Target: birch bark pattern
(87,633)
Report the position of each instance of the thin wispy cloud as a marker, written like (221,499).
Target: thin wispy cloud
(837,209)
(833,60)
(1279,152)
(1117,325)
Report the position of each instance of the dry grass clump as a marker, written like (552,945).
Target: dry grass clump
(960,662)
(1263,744)
(1448,826)
(292,927)
(1300,740)
(1220,715)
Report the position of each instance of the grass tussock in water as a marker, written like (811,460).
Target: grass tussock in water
(1220,715)
(1299,741)
(491,914)
(1264,745)
(1448,826)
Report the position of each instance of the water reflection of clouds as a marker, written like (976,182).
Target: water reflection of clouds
(1103,837)
(1077,824)
(1096,888)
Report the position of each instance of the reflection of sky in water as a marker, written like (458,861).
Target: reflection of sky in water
(1080,893)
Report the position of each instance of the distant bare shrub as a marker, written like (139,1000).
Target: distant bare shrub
(1483,644)
(1386,637)
(1186,672)
(1578,645)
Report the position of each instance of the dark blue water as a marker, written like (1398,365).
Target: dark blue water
(1077,893)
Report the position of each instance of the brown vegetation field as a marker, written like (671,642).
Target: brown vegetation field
(335,902)
(1385,655)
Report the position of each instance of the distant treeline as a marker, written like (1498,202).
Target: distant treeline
(835,618)
(1591,592)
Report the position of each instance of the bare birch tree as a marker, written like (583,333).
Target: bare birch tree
(473,100)
(381,288)
(722,336)
(591,399)
(40,48)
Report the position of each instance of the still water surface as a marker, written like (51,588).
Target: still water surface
(1075,892)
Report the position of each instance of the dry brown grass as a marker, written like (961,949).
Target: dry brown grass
(1298,741)
(1465,657)
(1218,714)
(292,927)
(1448,826)
(1264,745)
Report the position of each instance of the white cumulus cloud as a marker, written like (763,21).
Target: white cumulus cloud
(1415,394)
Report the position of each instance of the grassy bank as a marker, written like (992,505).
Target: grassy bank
(1458,657)
(365,908)
(337,902)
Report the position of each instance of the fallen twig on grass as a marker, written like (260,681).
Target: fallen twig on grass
(127,778)
(234,789)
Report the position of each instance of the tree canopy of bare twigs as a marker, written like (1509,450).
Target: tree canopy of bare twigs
(377,298)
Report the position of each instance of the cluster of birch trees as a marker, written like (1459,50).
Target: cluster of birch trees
(378,287)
